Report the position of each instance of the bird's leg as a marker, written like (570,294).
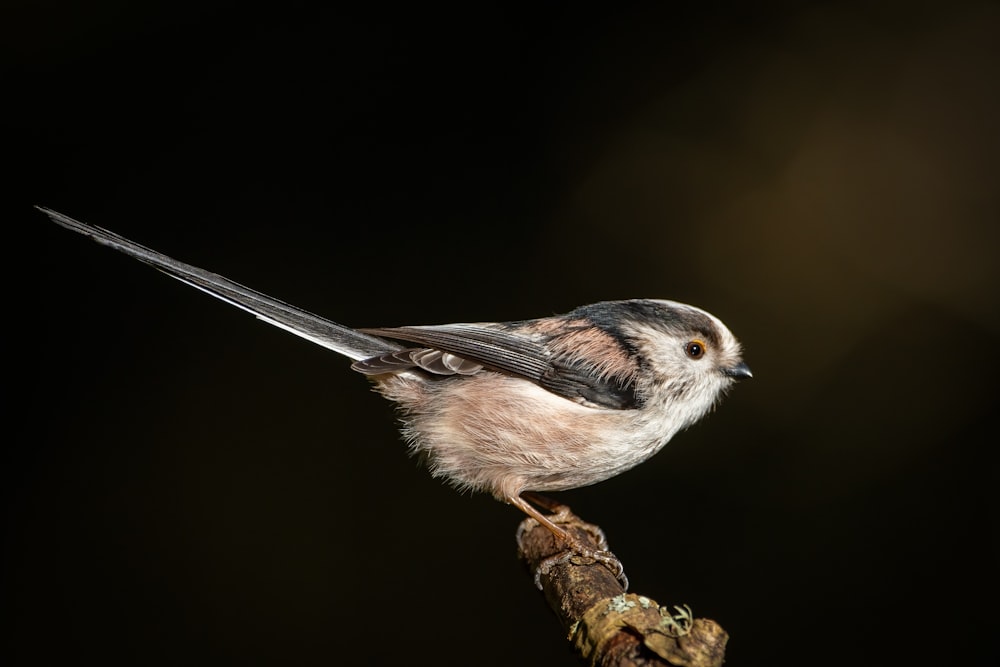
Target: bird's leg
(561,513)
(575,547)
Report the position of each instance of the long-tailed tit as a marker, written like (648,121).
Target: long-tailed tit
(514,408)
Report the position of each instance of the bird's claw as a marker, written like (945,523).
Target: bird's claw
(577,554)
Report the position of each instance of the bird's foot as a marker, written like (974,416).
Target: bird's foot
(577,552)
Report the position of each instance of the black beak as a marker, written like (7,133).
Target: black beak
(738,372)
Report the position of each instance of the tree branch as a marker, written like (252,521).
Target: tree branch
(607,626)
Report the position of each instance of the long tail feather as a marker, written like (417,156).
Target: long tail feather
(349,342)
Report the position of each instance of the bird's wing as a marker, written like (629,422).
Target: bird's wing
(483,343)
(346,341)
(505,348)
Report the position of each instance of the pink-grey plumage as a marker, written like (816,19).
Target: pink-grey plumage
(511,407)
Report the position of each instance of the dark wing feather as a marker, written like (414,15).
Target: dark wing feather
(494,348)
(505,349)
(433,361)
(580,384)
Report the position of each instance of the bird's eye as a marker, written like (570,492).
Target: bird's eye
(695,349)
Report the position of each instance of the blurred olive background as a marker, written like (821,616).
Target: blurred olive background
(184,484)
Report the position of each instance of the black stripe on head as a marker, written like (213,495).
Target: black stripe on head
(616,317)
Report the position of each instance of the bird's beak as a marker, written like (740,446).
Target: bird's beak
(738,372)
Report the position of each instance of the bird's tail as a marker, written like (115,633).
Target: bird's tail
(353,344)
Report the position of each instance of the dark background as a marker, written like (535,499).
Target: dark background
(184,484)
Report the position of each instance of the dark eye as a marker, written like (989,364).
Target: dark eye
(695,349)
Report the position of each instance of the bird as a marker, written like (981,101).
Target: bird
(517,409)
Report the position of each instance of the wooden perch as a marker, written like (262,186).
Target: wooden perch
(607,626)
